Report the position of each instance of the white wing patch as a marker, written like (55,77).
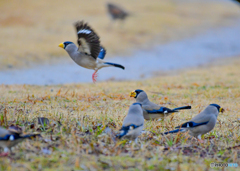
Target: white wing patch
(187,125)
(85,31)
(11,138)
(183,130)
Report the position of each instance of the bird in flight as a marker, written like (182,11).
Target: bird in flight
(89,53)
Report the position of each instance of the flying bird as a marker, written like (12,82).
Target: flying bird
(202,123)
(152,110)
(116,12)
(133,123)
(10,138)
(89,53)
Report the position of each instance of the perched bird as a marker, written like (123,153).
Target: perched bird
(90,53)
(116,12)
(202,123)
(10,138)
(132,123)
(152,110)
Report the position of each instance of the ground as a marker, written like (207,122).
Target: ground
(76,137)
(77,122)
(30,31)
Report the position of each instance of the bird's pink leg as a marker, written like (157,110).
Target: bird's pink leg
(4,154)
(94,76)
(199,139)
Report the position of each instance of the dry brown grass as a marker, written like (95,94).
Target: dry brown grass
(31,30)
(84,110)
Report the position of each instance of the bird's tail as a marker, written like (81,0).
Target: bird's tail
(115,65)
(174,131)
(31,136)
(182,108)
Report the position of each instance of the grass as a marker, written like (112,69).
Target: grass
(75,137)
(31,30)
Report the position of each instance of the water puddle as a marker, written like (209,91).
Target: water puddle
(199,50)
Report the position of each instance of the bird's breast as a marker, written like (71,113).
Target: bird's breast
(86,61)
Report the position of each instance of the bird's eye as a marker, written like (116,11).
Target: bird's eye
(66,43)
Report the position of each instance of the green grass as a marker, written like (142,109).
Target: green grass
(75,138)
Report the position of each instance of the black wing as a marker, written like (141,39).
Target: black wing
(16,136)
(191,124)
(124,130)
(174,131)
(161,110)
(88,40)
(167,110)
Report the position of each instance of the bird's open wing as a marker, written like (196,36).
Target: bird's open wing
(88,40)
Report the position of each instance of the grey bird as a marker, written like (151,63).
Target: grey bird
(89,53)
(152,110)
(133,123)
(10,138)
(202,123)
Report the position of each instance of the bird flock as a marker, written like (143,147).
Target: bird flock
(144,109)
(90,54)
(133,124)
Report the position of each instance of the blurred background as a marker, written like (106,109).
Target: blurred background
(156,37)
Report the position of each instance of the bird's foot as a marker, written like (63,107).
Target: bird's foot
(4,154)
(94,76)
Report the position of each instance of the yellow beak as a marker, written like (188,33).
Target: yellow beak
(61,45)
(133,94)
(221,110)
